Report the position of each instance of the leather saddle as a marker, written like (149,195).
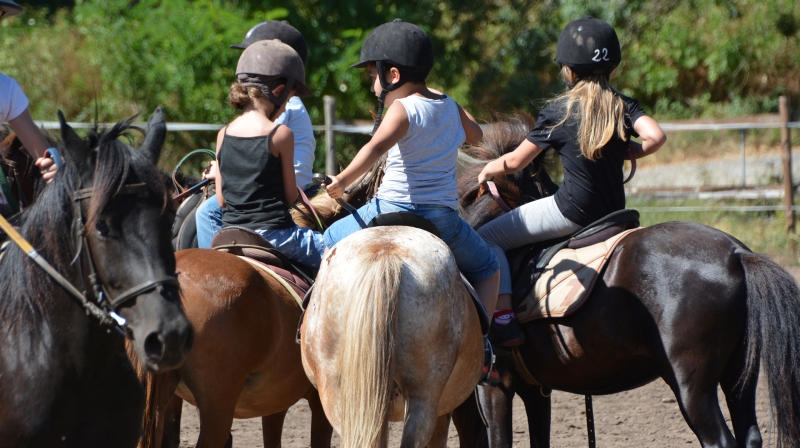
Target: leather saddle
(244,242)
(528,262)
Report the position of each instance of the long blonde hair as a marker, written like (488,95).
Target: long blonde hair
(599,110)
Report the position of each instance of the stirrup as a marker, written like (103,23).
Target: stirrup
(489,375)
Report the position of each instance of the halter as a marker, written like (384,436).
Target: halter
(101,296)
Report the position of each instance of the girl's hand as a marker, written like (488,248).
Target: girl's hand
(210,171)
(484,176)
(47,167)
(335,189)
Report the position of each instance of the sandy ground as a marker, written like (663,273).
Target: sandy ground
(644,417)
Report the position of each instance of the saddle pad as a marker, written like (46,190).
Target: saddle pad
(295,285)
(567,280)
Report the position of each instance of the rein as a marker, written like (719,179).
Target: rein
(102,297)
(495,195)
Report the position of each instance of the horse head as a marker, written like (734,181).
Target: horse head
(501,137)
(121,234)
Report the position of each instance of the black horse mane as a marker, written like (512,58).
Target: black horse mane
(27,290)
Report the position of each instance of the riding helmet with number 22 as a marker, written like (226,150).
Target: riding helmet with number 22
(589,47)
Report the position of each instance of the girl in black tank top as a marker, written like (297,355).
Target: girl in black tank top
(255,170)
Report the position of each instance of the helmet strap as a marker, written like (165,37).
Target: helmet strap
(386,87)
(279,101)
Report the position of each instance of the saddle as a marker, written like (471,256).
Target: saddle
(256,250)
(570,263)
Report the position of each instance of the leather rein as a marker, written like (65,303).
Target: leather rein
(101,297)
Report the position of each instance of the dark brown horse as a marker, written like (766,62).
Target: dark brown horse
(678,301)
(66,380)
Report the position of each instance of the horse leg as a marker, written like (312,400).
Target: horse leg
(172,423)
(469,425)
(321,429)
(216,406)
(741,402)
(272,427)
(439,437)
(420,420)
(700,408)
(537,409)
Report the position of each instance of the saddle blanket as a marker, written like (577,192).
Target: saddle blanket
(567,280)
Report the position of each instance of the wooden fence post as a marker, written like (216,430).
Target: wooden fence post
(331,167)
(788,188)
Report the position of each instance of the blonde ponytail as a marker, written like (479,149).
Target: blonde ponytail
(599,111)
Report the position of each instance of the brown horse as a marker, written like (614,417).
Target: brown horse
(245,362)
(677,300)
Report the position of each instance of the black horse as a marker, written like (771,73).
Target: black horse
(66,379)
(678,300)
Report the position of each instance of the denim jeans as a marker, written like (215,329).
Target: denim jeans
(472,255)
(299,244)
(209,221)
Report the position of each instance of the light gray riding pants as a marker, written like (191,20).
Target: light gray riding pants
(535,221)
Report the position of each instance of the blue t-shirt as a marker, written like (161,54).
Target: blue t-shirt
(296,118)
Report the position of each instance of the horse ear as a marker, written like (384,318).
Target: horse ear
(156,135)
(76,147)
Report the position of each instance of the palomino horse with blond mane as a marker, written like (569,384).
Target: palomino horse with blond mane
(391,333)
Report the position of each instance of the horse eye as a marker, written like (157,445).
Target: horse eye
(101,227)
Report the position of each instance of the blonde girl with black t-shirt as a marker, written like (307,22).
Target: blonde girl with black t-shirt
(590,126)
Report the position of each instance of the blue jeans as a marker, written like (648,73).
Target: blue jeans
(299,244)
(209,221)
(472,255)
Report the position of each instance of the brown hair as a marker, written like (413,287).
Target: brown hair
(240,96)
(600,110)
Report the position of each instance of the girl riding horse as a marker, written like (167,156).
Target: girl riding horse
(590,126)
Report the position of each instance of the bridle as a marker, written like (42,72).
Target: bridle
(83,254)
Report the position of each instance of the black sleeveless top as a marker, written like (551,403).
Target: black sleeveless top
(252,184)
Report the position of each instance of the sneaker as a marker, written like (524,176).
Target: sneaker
(510,335)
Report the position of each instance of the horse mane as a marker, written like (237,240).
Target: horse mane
(48,224)
(326,207)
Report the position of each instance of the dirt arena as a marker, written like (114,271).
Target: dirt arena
(644,417)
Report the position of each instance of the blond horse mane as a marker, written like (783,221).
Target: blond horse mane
(366,385)
(326,207)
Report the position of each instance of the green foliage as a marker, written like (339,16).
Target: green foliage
(121,57)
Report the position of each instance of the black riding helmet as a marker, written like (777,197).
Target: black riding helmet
(274,29)
(9,8)
(399,44)
(589,47)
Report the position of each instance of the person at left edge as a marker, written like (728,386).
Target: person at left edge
(14,110)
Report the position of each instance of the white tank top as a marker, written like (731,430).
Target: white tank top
(421,167)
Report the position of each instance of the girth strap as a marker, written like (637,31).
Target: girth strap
(523,371)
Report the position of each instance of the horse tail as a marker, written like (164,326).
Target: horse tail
(367,360)
(153,384)
(773,335)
